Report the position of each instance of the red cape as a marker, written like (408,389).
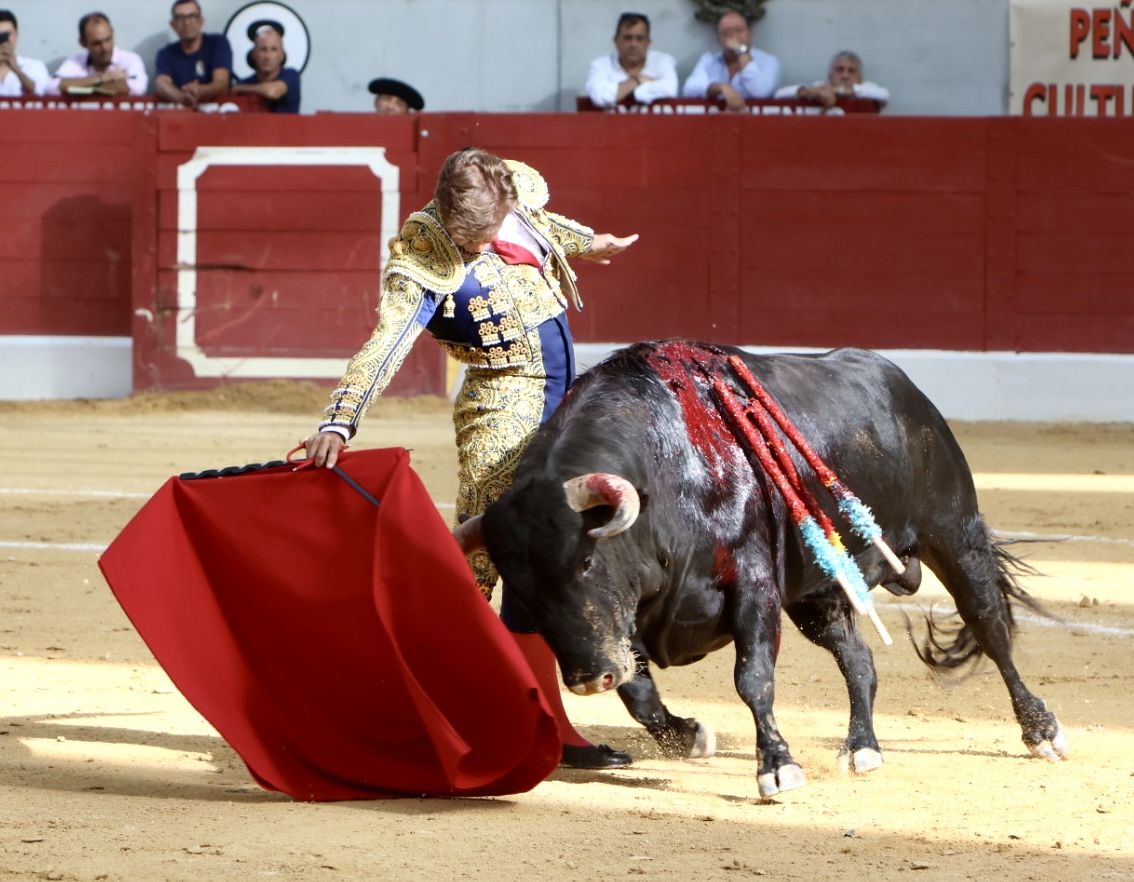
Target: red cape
(342,649)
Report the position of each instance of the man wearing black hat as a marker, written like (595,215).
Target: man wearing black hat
(394,96)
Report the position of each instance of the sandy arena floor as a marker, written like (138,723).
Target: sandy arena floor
(107,773)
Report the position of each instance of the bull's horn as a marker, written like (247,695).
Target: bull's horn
(598,488)
(469,535)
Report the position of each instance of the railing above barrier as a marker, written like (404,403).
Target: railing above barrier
(759,106)
(143,103)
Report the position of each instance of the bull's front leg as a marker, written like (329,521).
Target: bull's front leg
(678,737)
(757,643)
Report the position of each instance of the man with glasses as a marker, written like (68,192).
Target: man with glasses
(633,69)
(194,69)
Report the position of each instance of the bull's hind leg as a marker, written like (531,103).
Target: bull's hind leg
(678,737)
(827,620)
(978,574)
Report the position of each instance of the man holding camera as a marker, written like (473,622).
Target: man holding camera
(19,76)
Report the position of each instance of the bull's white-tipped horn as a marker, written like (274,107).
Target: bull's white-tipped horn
(599,488)
(469,536)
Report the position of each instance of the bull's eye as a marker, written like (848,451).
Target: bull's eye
(585,564)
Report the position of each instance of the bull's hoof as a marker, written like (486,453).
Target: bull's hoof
(789,777)
(704,742)
(861,761)
(1052,749)
(593,756)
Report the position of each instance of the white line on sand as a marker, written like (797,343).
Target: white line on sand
(103,494)
(1030,618)
(56,546)
(1064,537)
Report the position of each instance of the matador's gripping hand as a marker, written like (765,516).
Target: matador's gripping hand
(323,448)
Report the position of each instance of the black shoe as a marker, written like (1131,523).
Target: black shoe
(594,756)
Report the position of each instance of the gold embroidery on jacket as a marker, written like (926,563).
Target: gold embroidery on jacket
(489,334)
(424,252)
(478,308)
(501,402)
(571,236)
(531,188)
(495,415)
(375,364)
(509,328)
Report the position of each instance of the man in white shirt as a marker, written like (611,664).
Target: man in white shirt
(633,70)
(738,71)
(19,76)
(844,79)
(102,67)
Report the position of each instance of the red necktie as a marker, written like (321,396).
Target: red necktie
(512,253)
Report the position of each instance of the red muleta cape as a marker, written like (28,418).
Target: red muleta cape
(341,648)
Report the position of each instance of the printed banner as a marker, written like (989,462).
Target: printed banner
(1070,59)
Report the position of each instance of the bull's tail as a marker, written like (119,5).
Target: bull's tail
(950,642)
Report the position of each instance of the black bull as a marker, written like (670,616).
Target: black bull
(713,556)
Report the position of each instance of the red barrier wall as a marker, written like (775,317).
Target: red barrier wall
(66,199)
(287,257)
(973,234)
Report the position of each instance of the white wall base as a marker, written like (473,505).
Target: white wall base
(983,386)
(64,367)
(979,386)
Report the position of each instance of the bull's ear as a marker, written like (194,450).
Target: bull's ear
(469,534)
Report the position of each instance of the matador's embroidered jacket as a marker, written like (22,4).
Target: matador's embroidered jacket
(484,312)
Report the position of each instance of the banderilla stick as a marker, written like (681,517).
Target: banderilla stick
(856,511)
(830,555)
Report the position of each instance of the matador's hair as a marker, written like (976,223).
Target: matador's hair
(474,194)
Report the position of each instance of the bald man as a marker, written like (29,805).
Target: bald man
(738,71)
(276,84)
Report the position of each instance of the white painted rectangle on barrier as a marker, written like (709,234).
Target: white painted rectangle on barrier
(1071,59)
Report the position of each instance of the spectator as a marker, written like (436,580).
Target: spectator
(103,67)
(196,68)
(634,69)
(394,96)
(738,71)
(276,84)
(19,76)
(844,78)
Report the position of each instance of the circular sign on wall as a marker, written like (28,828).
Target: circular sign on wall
(242,27)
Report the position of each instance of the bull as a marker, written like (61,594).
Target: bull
(637,529)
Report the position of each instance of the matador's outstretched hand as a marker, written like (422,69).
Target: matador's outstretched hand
(605,245)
